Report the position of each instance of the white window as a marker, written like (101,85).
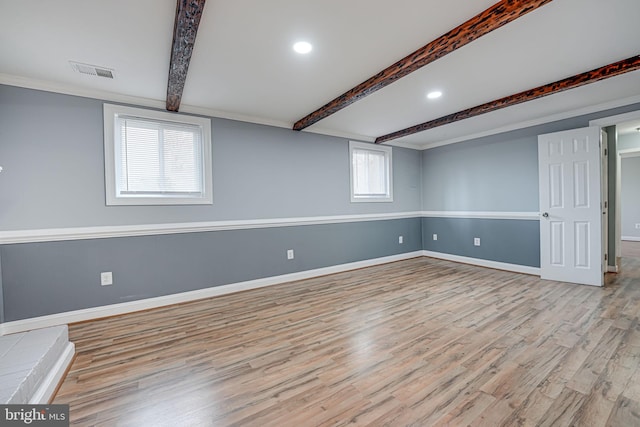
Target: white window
(371,175)
(156,158)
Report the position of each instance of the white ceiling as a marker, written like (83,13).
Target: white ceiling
(243,65)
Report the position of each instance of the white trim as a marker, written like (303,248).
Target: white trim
(109,231)
(96,94)
(339,134)
(388,163)
(104,232)
(45,391)
(631,238)
(540,121)
(617,119)
(482,215)
(144,304)
(484,263)
(112,169)
(629,152)
(67,89)
(612,269)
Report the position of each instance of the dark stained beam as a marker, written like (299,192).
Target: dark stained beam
(188,14)
(492,18)
(611,70)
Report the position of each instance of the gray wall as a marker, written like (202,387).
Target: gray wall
(629,141)
(497,173)
(53,277)
(52,153)
(455,236)
(51,148)
(630,196)
(494,174)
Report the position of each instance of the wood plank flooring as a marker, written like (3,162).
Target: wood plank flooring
(420,342)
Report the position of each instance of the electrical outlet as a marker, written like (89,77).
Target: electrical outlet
(400,239)
(290,254)
(106,278)
(476,241)
(435,237)
(637,225)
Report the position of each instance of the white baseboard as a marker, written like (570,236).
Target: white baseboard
(631,238)
(612,269)
(144,304)
(44,393)
(484,263)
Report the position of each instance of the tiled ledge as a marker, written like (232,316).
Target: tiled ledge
(32,364)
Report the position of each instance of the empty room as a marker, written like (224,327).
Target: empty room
(295,213)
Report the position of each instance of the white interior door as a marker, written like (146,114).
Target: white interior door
(571,224)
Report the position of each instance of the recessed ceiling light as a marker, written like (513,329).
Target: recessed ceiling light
(434,95)
(302,47)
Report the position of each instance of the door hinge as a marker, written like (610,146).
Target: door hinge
(606,151)
(606,256)
(606,204)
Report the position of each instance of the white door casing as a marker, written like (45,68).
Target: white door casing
(604,197)
(571,224)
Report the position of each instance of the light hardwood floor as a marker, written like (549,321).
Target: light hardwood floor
(420,342)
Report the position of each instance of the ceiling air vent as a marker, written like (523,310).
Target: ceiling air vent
(92,70)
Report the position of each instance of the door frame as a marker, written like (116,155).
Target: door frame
(617,178)
(604,197)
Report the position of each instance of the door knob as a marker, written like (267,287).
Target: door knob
(545,215)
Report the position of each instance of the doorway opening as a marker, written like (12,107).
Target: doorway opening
(630,196)
(624,163)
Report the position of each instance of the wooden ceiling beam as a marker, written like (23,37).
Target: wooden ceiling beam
(492,18)
(611,70)
(188,14)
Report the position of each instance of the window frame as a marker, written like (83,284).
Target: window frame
(388,157)
(113,195)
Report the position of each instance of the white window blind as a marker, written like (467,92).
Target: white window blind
(159,157)
(370,172)
(156,161)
